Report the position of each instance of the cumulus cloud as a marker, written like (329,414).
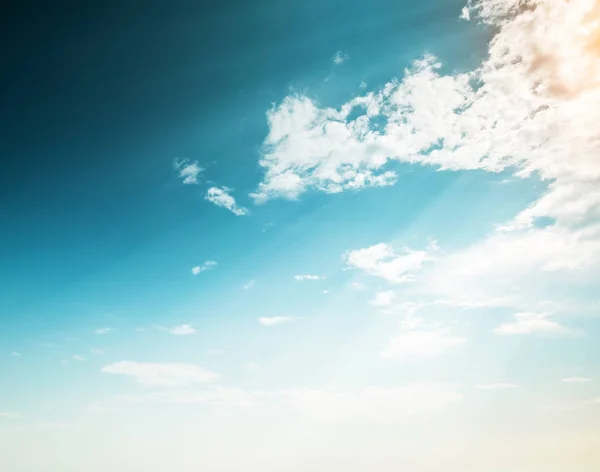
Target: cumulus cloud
(381,260)
(201,268)
(161,374)
(220,196)
(276,320)
(188,171)
(420,343)
(530,108)
(532,323)
(309,277)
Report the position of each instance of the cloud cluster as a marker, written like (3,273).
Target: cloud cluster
(220,196)
(381,260)
(201,268)
(188,171)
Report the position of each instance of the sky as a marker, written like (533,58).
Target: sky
(290,236)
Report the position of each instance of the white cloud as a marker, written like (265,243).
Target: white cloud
(532,323)
(309,277)
(9,415)
(188,171)
(382,261)
(530,108)
(497,386)
(201,268)
(383,298)
(15,354)
(339,58)
(372,404)
(276,320)
(96,351)
(422,343)
(358,286)
(248,285)
(220,197)
(181,330)
(252,366)
(576,380)
(161,374)
(77,357)
(104,330)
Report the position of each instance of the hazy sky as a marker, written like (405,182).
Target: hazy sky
(300,236)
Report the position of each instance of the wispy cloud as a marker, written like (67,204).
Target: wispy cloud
(276,320)
(161,374)
(381,260)
(181,330)
(9,415)
(15,354)
(201,268)
(309,277)
(339,58)
(533,323)
(104,330)
(576,380)
(220,196)
(383,299)
(497,386)
(248,285)
(188,171)
(97,352)
(420,343)
(78,358)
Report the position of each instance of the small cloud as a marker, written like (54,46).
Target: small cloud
(15,354)
(383,298)
(181,330)
(9,414)
(78,358)
(358,286)
(362,85)
(497,386)
(339,58)
(381,260)
(424,343)
(221,197)
(201,268)
(532,323)
(465,14)
(97,352)
(104,330)
(252,366)
(188,171)
(325,292)
(214,352)
(576,380)
(161,374)
(249,284)
(309,277)
(276,320)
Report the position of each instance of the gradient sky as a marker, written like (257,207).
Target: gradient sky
(290,236)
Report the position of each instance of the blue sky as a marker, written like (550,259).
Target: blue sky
(349,235)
